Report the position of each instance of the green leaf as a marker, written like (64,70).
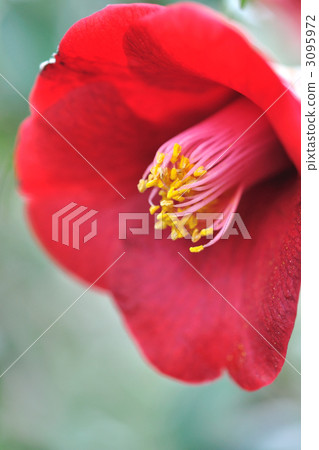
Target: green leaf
(243,3)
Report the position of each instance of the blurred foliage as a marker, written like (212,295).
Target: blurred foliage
(243,3)
(83,385)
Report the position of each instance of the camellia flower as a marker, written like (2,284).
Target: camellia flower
(172,110)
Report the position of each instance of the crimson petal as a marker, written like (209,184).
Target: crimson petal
(125,80)
(192,332)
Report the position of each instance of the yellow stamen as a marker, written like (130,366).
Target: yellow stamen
(167,203)
(160,158)
(176,152)
(141,186)
(171,192)
(197,249)
(175,186)
(154,171)
(156,182)
(184,162)
(175,235)
(206,231)
(192,222)
(173,174)
(162,216)
(160,225)
(154,208)
(200,171)
(196,236)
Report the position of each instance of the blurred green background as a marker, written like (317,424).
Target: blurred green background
(83,385)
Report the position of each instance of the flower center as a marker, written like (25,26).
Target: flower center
(205,170)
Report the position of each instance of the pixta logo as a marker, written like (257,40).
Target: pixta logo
(67,222)
(234,225)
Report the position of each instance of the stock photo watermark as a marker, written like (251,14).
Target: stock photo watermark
(68,225)
(67,222)
(234,226)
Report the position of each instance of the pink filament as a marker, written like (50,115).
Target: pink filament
(237,147)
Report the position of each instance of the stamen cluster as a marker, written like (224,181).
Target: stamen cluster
(222,156)
(173,176)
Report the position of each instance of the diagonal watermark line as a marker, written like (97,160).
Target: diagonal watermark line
(60,316)
(61,135)
(258,118)
(250,126)
(239,313)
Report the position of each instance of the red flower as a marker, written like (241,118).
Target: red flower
(125,81)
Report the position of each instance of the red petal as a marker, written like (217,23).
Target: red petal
(217,51)
(92,143)
(94,256)
(185,328)
(125,80)
(121,86)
